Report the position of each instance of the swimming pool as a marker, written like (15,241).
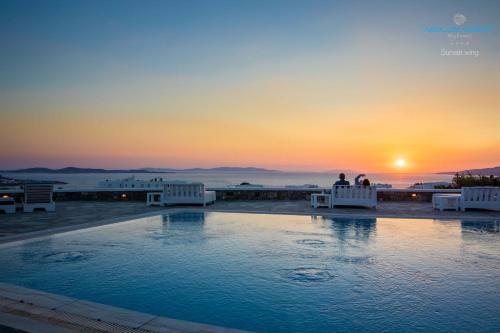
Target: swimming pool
(278,273)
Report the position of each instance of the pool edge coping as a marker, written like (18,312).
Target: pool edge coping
(49,309)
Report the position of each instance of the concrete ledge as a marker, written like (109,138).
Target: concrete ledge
(23,308)
(28,325)
(229,193)
(40,234)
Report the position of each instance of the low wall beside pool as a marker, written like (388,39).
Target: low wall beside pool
(229,194)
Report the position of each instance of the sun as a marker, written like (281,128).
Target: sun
(400,163)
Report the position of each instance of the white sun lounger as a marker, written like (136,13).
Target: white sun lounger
(38,196)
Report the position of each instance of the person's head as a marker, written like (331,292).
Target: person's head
(366,182)
(342,176)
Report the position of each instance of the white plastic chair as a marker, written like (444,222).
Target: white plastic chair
(7,205)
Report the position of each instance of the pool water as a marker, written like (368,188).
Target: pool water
(278,273)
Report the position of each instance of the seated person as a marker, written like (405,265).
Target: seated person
(365,182)
(341,180)
(357,180)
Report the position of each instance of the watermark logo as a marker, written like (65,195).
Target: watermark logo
(460,36)
(459,19)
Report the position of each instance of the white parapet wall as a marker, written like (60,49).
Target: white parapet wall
(228,193)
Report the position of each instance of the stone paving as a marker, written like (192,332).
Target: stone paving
(415,209)
(71,213)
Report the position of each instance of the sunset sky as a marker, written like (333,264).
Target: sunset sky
(292,85)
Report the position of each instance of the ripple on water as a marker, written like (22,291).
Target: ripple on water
(311,242)
(354,259)
(179,238)
(66,256)
(99,244)
(307,274)
(302,233)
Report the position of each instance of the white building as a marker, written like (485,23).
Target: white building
(131,182)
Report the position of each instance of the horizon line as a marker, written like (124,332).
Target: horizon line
(264,169)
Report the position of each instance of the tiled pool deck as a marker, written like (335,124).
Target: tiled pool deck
(35,311)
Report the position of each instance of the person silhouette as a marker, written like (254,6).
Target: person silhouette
(357,180)
(341,180)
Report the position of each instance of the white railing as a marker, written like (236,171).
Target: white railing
(181,193)
(354,195)
(486,197)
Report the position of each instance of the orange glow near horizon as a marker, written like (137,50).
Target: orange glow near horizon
(266,131)
(276,137)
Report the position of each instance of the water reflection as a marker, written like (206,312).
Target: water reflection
(181,227)
(196,219)
(480,226)
(344,228)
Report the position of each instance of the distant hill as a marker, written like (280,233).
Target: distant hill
(337,171)
(233,169)
(73,170)
(217,169)
(76,170)
(495,171)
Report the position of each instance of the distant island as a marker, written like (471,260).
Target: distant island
(71,170)
(6,181)
(217,169)
(74,170)
(495,171)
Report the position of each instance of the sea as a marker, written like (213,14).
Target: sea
(228,178)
